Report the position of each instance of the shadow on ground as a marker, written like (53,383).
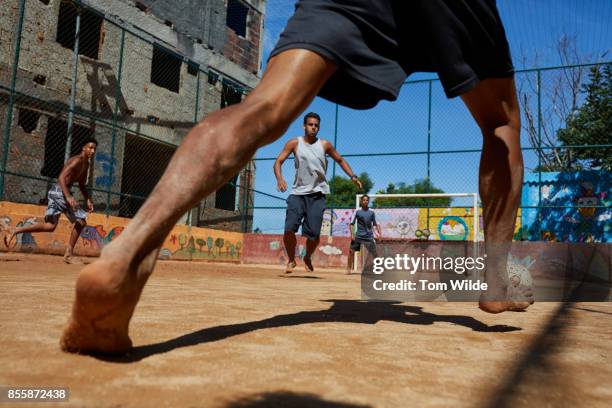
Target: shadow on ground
(348,311)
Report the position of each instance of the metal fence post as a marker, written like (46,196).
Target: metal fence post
(428,141)
(11,102)
(115,120)
(332,192)
(539,213)
(73,79)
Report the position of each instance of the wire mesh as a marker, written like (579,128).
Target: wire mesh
(139,96)
(79,74)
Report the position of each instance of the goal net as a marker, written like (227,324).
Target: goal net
(424,217)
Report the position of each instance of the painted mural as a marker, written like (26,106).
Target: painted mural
(269,249)
(181,243)
(582,190)
(413,223)
(98,236)
(202,244)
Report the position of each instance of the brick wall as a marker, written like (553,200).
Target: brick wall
(244,51)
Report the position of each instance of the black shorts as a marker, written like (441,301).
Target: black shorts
(370,246)
(307,211)
(376,44)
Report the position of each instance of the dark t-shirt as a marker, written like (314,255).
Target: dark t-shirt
(365,221)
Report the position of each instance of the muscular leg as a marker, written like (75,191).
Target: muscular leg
(351,260)
(494,106)
(290,242)
(311,245)
(74,236)
(214,150)
(48,226)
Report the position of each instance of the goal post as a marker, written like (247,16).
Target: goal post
(471,197)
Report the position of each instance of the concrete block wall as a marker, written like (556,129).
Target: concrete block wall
(196,31)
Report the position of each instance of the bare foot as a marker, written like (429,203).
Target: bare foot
(502,306)
(519,293)
(347,272)
(521,283)
(70,259)
(308,264)
(106,295)
(290,267)
(8,240)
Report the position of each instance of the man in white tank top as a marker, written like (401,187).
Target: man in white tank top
(306,203)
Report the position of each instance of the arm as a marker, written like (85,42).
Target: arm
(377,227)
(333,153)
(351,229)
(65,178)
(281,184)
(84,191)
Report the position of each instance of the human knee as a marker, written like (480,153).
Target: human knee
(492,124)
(268,116)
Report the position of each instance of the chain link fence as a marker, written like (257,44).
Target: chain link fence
(81,74)
(67,73)
(424,142)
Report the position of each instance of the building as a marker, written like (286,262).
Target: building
(145,72)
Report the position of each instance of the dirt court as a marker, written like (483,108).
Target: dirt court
(211,335)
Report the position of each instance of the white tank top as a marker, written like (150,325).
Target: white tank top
(310,168)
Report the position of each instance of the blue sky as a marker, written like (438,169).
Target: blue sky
(533,29)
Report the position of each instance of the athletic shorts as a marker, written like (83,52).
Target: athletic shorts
(370,246)
(305,210)
(377,44)
(58,205)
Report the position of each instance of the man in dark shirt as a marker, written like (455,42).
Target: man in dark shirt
(365,219)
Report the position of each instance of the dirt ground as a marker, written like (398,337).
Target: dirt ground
(209,335)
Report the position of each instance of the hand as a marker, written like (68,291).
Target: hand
(357,182)
(72,202)
(281,185)
(90,206)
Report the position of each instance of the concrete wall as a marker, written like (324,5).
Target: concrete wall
(269,249)
(194,29)
(181,244)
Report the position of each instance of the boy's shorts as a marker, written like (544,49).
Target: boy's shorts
(370,246)
(58,205)
(305,210)
(376,44)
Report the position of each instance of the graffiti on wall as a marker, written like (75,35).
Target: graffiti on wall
(108,164)
(97,236)
(181,245)
(409,223)
(23,241)
(582,190)
(453,228)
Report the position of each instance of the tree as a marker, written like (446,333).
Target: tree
(591,124)
(343,191)
(191,245)
(560,95)
(219,244)
(421,186)
(200,243)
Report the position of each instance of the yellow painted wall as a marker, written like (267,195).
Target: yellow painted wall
(181,243)
(455,218)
